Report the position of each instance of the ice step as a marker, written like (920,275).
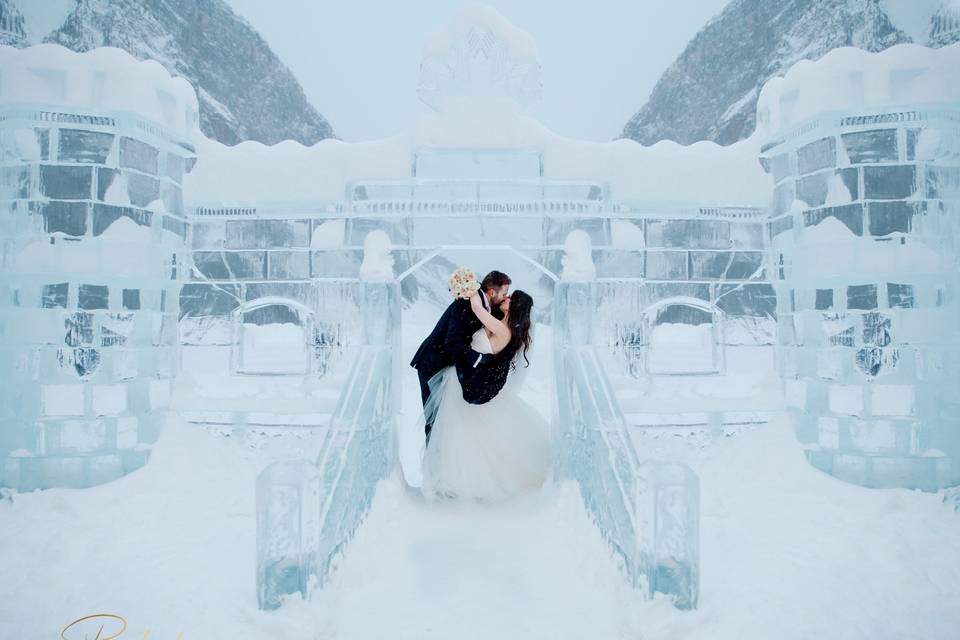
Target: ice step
(257,420)
(702,419)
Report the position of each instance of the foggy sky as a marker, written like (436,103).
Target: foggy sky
(358,60)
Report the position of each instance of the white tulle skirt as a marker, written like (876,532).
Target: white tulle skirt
(487,452)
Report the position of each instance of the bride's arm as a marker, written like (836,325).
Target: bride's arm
(492,324)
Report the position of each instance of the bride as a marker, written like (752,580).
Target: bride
(489,451)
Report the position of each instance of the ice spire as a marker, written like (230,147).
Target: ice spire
(480,55)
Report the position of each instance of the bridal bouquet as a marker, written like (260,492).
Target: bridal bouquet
(463,284)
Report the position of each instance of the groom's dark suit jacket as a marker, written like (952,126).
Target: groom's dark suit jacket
(481,375)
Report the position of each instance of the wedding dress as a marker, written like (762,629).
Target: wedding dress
(487,452)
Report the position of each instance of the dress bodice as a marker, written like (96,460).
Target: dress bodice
(480,342)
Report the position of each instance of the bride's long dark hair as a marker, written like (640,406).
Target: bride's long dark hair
(521,307)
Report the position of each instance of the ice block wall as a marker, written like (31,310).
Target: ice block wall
(865,153)
(693,273)
(94,148)
(271,270)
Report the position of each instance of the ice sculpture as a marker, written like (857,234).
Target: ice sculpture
(93,231)
(377,262)
(578,257)
(866,283)
(668,514)
(480,55)
(92,259)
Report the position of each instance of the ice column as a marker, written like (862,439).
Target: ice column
(668,530)
(864,239)
(288,530)
(376,275)
(92,232)
(575,298)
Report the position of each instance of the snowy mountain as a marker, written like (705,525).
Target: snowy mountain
(11,24)
(710,92)
(245,91)
(945,24)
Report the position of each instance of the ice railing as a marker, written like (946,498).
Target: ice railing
(529,205)
(868,119)
(117,120)
(647,511)
(406,205)
(308,512)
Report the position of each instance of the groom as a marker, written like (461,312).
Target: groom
(481,375)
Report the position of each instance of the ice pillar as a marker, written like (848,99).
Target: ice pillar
(574,297)
(379,307)
(668,531)
(288,530)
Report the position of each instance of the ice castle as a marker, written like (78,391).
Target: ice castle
(267,284)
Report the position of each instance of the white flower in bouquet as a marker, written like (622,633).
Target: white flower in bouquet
(463,284)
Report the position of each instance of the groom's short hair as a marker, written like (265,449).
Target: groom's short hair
(495,280)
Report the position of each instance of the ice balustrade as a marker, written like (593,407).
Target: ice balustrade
(93,238)
(661,243)
(308,512)
(643,253)
(470,194)
(648,512)
(864,239)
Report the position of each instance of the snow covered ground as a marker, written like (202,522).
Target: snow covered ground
(787,553)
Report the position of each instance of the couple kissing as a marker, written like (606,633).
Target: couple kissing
(484,442)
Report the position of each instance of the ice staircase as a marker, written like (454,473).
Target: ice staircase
(449,570)
(646,511)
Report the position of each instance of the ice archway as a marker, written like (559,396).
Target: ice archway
(272,336)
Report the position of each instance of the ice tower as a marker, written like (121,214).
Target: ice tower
(864,150)
(94,150)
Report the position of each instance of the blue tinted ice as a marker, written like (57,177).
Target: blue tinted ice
(668,513)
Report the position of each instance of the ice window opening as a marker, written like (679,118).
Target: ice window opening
(685,337)
(273,337)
